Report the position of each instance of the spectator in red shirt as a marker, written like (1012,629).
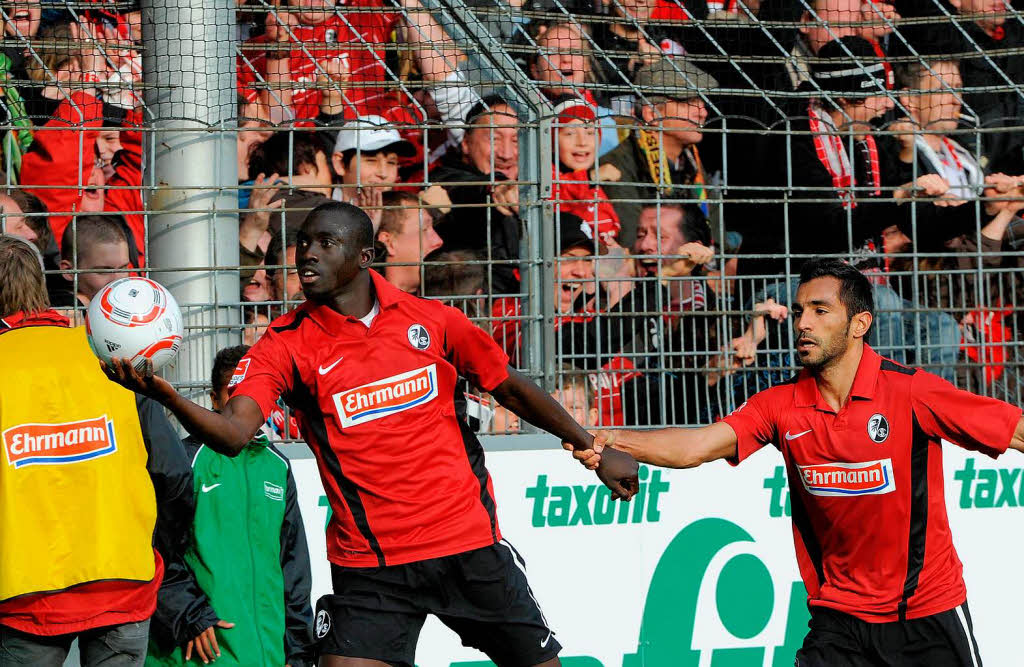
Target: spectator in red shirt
(110,157)
(862,438)
(577,137)
(369,369)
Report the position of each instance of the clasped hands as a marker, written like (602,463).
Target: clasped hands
(616,469)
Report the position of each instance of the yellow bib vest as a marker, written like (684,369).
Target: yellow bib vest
(76,502)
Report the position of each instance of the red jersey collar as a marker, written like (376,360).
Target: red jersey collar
(807,395)
(387,296)
(44,318)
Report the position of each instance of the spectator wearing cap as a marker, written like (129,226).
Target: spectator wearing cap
(563,66)
(826,20)
(663,152)
(406,237)
(577,136)
(484,215)
(366,160)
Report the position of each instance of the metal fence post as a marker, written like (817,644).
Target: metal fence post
(189,74)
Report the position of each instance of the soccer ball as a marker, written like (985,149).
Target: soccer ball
(135,319)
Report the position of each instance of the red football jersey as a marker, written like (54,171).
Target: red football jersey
(866,486)
(404,475)
(358,37)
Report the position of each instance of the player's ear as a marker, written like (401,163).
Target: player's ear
(860,324)
(366,256)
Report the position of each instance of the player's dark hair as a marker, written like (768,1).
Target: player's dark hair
(224,365)
(353,224)
(854,289)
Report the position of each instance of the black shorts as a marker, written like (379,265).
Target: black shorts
(841,640)
(483,595)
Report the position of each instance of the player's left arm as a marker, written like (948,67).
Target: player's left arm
(979,423)
(520,395)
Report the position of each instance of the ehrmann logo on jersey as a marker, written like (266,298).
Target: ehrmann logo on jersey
(389,396)
(69,442)
(848,479)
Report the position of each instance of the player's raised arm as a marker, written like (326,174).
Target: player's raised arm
(667,447)
(226,432)
(534,405)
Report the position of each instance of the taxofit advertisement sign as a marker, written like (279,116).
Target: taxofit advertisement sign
(699,569)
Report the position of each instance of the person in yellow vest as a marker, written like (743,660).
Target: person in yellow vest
(77,501)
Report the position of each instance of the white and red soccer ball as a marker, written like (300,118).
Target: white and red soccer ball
(135,319)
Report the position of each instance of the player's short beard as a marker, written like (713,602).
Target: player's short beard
(831,350)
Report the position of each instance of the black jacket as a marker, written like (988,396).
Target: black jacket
(182,611)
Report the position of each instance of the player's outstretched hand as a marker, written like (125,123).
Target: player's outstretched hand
(121,371)
(618,471)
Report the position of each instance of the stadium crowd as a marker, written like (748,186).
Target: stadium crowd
(701,150)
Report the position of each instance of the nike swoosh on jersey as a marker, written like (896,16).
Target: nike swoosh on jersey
(797,435)
(544,643)
(328,369)
(207,489)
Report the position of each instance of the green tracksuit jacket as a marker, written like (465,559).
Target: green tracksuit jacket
(250,558)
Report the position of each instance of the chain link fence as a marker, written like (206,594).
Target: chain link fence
(621,192)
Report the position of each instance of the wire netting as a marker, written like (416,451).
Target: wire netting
(623,193)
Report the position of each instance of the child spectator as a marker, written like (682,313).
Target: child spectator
(577,137)
(407,237)
(266,594)
(301,158)
(94,253)
(132,505)
(575,395)
(562,66)
(366,160)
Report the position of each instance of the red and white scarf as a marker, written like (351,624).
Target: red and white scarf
(832,152)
